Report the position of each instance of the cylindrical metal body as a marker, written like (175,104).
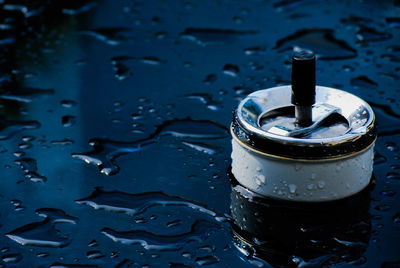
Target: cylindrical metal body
(329,161)
(301,180)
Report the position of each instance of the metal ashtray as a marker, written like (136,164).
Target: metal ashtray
(303,142)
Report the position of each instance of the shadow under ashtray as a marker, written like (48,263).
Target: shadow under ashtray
(290,234)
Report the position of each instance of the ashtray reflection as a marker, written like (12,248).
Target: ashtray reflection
(297,234)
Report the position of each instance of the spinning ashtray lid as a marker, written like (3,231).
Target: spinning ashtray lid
(304,121)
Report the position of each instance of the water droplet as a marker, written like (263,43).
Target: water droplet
(85,7)
(242,90)
(140,220)
(368,34)
(174,223)
(28,138)
(29,166)
(133,204)
(207,248)
(348,68)
(137,116)
(56,215)
(63,142)
(42,255)
(41,234)
(106,151)
(68,120)
(188,255)
(93,244)
(356,20)
(388,193)
(17,204)
(383,207)
(392,58)
(396,217)
(9,128)
(350,243)
(207,99)
(231,70)
(64,265)
(310,186)
(284,5)
(321,41)
(363,82)
(208,36)
(260,179)
(379,159)
(202,147)
(121,71)
(25,145)
(179,265)
(210,78)
(12,258)
(292,188)
(152,241)
(257,50)
(95,254)
(110,36)
(19,154)
(391,146)
(147,60)
(321,184)
(207,260)
(393,175)
(25,95)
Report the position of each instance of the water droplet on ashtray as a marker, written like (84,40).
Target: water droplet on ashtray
(292,188)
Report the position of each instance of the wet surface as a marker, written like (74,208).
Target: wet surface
(114,141)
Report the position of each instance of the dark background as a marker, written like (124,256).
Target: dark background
(90,80)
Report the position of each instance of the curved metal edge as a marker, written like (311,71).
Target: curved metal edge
(305,142)
(326,159)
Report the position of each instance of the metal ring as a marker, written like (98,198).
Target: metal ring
(246,126)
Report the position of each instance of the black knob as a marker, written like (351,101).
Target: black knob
(303,78)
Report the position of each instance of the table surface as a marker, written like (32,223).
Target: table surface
(114,116)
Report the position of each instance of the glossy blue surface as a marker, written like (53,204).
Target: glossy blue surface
(114,116)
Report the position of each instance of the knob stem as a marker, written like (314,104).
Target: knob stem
(303,86)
